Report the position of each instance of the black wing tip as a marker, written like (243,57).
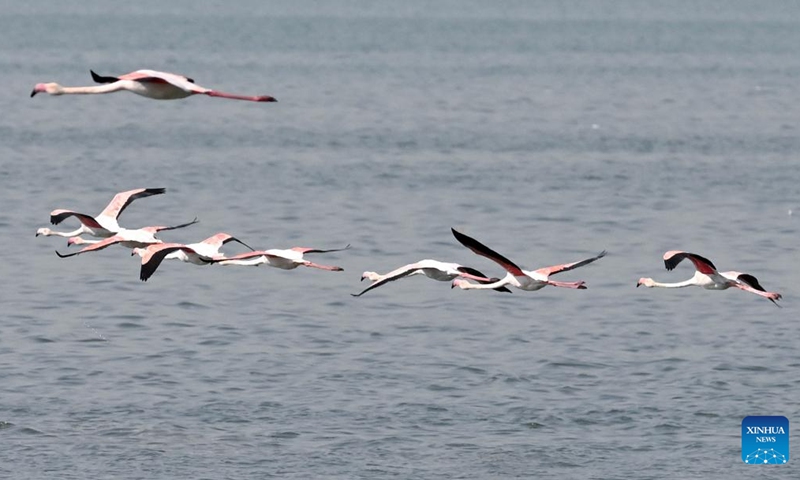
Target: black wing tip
(751,280)
(234,239)
(101,79)
(61,255)
(674,260)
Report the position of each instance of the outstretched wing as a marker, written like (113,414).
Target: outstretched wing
(390,277)
(750,280)
(100,79)
(484,251)
(702,264)
(184,83)
(121,200)
(104,243)
(547,271)
(221,239)
(58,216)
(243,256)
(155,254)
(488,280)
(305,250)
(161,228)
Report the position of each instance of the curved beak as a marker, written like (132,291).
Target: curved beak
(33,92)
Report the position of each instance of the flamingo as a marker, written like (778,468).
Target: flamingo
(103,225)
(201,253)
(284,259)
(517,277)
(147,83)
(434,269)
(138,238)
(707,276)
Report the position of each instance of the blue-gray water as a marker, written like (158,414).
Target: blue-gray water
(548,130)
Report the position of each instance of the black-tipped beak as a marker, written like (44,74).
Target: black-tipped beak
(33,93)
(638,284)
(37,234)
(362,279)
(452,286)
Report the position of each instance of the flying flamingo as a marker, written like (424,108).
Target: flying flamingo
(436,270)
(138,238)
(147,83)
(517,277)
(283,259)
(201,253)
(103,225)
(707,276)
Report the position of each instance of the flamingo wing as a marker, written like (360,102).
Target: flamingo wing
(101,79)
(547,271)
(106,242)
(58,216)
(121,200)
(155,254)
(484,251)
(245,256)
(154,76)
(162,228)
(702,264)
(390,277)
(751,281)
(488,280)
(220,239)
(305,250)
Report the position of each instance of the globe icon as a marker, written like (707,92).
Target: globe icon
(768,456)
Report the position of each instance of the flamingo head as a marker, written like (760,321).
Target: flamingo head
(44,231)
(51,88)
(371,276)
(460,283)
(647,282)
(138,251)
(75,241)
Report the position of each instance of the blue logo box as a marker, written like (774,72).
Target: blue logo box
(765,440)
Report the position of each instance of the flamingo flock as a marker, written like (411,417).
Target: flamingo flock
(153,251)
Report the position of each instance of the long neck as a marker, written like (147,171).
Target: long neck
(685,283)
(107,88)
(67,234)
(465,285)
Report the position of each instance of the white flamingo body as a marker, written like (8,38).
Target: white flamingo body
(285,259)
(200,253)
(528,280)
(147,83)
(433,269)
(128,238)
(706,276)
(103,225)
